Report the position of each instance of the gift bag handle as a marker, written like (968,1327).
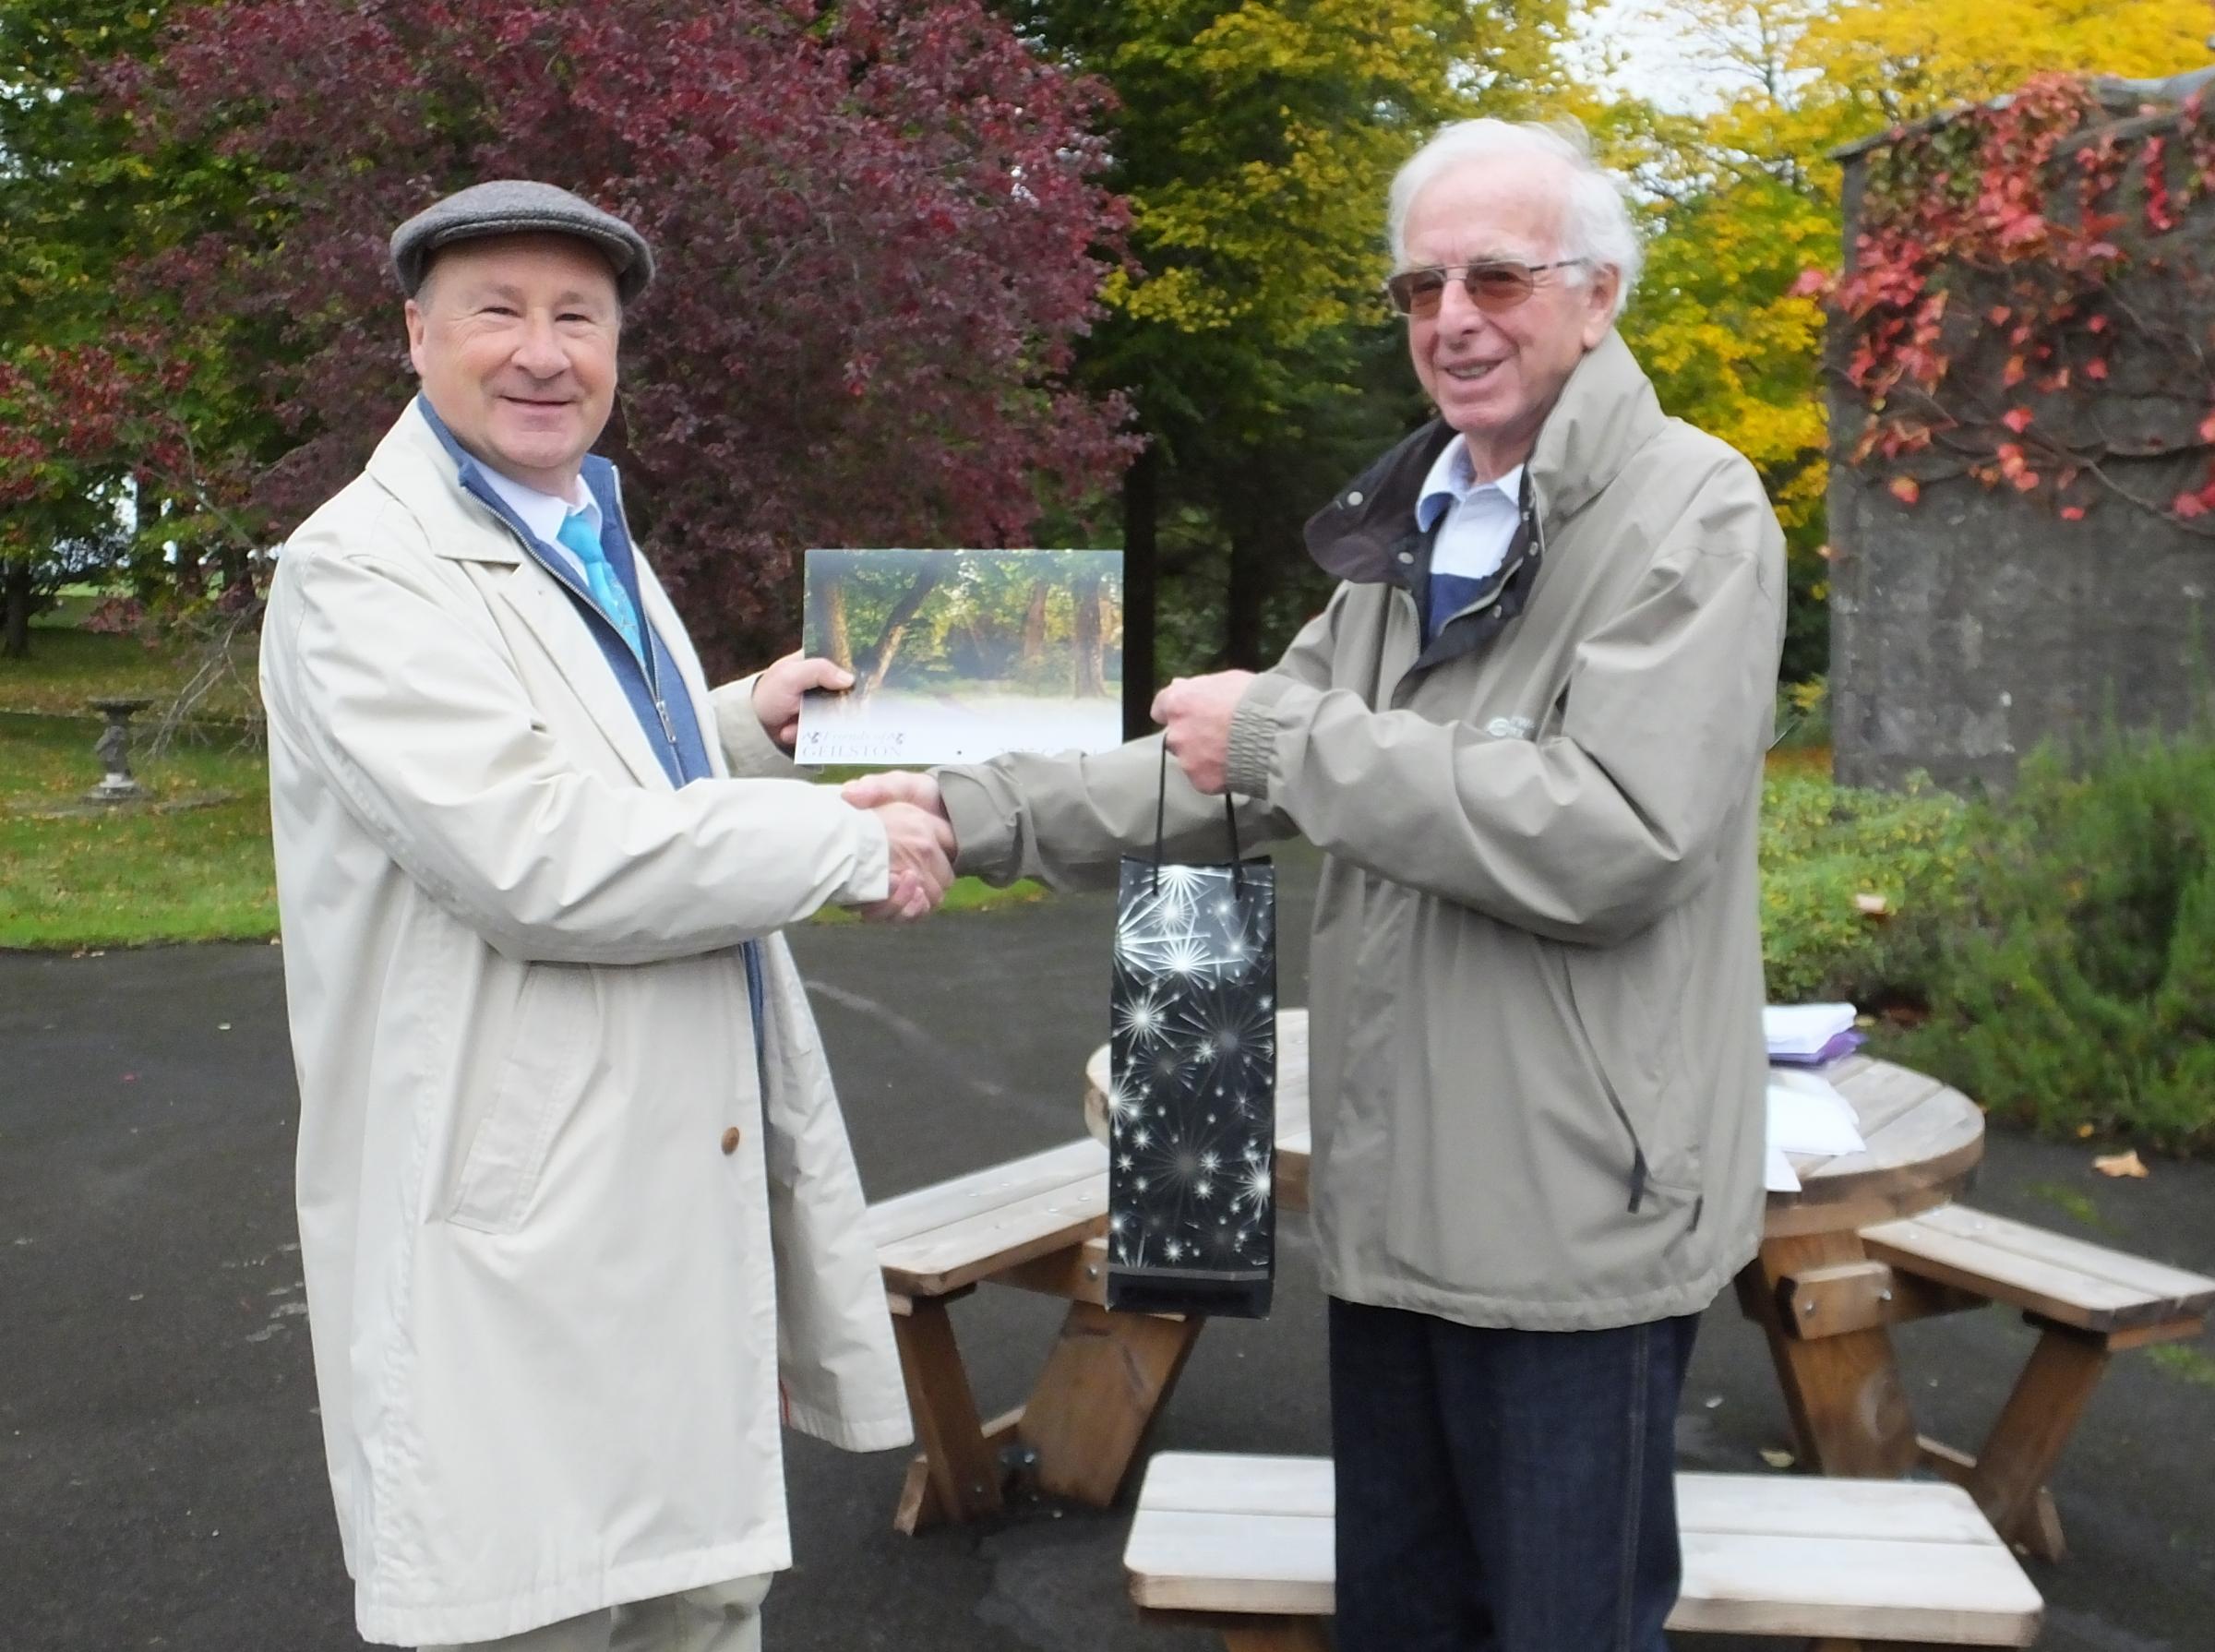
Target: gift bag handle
(1161,812)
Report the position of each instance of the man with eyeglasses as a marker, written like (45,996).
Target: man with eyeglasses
(1527,736)
(579,1223)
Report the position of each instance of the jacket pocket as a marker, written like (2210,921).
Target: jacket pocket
(547,1068)
(1635,1047)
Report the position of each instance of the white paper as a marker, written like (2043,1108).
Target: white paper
(1807,1115)
(1778,1175)
(1803,1029)
(959,656)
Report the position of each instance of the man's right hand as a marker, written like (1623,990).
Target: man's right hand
(898,785)
(922,858)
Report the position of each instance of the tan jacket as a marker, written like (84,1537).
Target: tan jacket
(546,1323)
(1538,1070)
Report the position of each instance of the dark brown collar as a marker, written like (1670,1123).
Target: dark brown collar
(1364,532)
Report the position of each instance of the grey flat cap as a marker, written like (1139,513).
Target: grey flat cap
(518,207)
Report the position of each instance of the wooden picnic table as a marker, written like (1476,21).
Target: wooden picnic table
(1825,1305)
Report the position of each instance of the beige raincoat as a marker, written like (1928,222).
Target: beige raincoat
(1536,1063)
(559,1244)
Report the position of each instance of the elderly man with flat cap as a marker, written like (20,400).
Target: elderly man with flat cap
(579,1222)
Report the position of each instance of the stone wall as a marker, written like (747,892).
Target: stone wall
(1968,629)
(1972,624)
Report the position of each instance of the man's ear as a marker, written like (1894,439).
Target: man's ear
(417,327)
(1600,303)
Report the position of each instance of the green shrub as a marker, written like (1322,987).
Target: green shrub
(1823,848)
(2076,991)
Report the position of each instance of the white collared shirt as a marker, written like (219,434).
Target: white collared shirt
(1481,520)
(543,513)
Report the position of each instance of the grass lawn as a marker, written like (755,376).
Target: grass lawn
(136,877)
(131,876)
(67,668)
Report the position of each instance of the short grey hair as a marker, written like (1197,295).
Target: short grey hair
(1596,217)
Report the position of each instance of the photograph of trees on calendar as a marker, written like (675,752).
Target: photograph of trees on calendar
(960,655)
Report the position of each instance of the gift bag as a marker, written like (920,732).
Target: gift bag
(1192,1103)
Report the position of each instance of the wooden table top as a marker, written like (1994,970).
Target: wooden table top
(1922,1140)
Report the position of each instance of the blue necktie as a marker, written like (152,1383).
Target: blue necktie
(578,534)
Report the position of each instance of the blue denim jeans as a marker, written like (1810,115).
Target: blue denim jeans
(1504,1491)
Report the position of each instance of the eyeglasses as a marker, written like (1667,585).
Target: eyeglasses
(1494,285)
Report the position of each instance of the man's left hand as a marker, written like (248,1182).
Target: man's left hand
(1195,712)
(777,693)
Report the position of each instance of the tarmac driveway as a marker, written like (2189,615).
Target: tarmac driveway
(161,1471)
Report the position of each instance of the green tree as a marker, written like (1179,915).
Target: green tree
(64,222)
(110,411)
(1254,142)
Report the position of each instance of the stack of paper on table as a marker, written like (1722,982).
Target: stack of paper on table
(1809,1034)
(1807,1116)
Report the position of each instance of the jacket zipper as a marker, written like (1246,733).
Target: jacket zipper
(645,657)
(1478,606)
(652,672)
(1607,1084)
(1538,535)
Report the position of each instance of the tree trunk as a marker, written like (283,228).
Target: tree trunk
(15,644)
(896,628)
(829,601)
(1034,623)
(1243,594)
(1141,509)
(1089,639)
(238,571)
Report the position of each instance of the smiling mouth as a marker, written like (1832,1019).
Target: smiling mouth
(1469,372)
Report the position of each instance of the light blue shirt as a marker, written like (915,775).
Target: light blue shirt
(1479,524)
(543,513)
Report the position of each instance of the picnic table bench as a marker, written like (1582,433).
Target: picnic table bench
(1868,1241)
(1244,1545)
(2088,1301)
(1036,1222)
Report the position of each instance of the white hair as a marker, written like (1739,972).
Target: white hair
(1596,220)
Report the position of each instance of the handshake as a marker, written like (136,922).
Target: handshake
(913,813)
(1194,713)
(920,837)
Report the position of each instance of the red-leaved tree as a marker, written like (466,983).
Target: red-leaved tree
(876,227)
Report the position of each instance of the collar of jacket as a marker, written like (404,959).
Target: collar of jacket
(420,461)
(1606,411)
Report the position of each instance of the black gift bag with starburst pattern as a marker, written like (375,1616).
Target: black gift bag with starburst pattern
(1191,1104)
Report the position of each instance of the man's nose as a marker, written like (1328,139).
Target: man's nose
(539,353)
(1457,312)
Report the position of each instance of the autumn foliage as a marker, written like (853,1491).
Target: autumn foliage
(2021,309)
(878,226)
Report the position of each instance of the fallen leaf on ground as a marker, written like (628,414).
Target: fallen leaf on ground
(2121,1163)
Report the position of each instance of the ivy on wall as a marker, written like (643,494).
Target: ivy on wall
(2021,309)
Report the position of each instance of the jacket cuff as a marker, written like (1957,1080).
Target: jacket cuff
(1252,749)
(747,750)
(983,833)
(872,879)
